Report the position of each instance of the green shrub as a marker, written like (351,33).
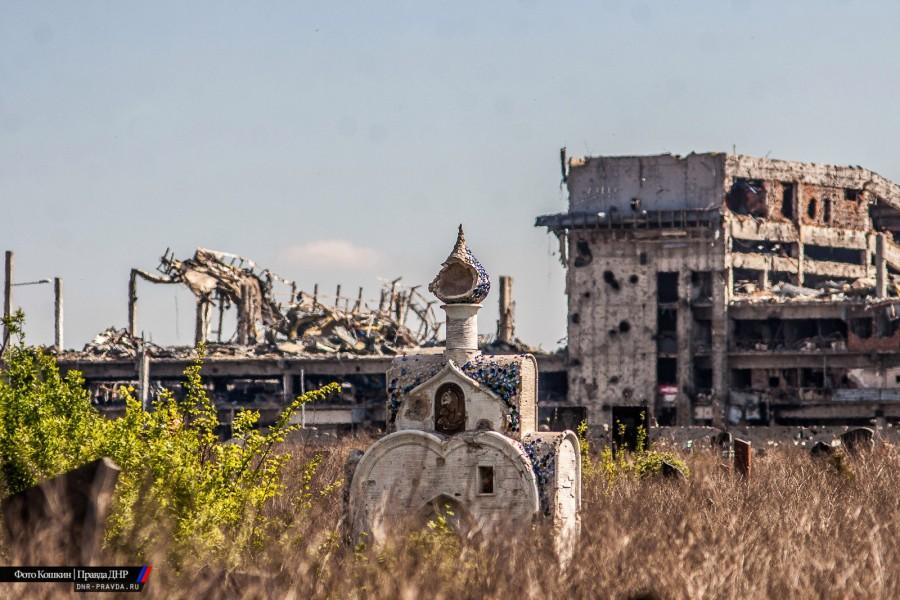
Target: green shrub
(47,423)
(179,486)
(642,462)
(650,462)
(588,468)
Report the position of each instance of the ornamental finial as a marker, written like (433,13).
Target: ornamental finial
(462,279)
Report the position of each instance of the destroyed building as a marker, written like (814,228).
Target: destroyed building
(716,288)
(284,341)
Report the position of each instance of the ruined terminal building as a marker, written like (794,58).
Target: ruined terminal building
(718,288)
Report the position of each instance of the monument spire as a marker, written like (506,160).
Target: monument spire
(462,284)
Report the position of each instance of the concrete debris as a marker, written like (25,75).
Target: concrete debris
(270,321)
(514,346)
(827,291)
(118,343)
(326,330)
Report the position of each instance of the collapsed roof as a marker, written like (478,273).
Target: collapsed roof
(300,323)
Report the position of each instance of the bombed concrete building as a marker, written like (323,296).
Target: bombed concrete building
(718,288)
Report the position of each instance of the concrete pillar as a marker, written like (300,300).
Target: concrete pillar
(303,391)
(132,303)
(743,458)
(880,267)
(143,360)
(462,332)
(763,281)
(201,323)
(719,357)
(867,255)
(287,387)
(221,318)
(244,316)
(685,321)
(798,213)
(7,293)
(729,282)
(506,326)
(58,314)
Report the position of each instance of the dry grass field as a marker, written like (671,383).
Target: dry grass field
(800,528)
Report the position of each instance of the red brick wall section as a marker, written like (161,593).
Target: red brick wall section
(828,207)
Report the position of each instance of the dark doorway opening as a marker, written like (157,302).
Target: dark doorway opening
(667,371)
(666,287)
(627,421)
(561,418)
(747,197)
(787,200)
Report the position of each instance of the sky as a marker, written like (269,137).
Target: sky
(337,142)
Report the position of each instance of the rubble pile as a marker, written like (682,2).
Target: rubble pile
(229,280)
(301,325)
(327,329)
(498,346)
(117,343)
(827,291)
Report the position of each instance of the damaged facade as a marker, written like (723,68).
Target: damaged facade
(718,287)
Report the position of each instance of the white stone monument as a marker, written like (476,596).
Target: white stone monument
(462,434)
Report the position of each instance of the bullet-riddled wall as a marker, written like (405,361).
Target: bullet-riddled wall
(687,276)
(634,303)
(642,329)
(662,182)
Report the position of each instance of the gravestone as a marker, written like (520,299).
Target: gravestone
(670,471)
(821,450)
(858,440)
(743,458)
(61,519)
(722,441)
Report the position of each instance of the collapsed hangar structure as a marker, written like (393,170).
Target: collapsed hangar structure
(718,288)
(284,341)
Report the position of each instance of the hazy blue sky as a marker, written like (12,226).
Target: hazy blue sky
(340,142)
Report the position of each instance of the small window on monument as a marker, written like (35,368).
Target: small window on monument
(485,480)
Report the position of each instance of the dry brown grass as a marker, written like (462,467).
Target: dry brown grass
(800,528)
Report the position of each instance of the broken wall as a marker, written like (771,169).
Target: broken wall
(875,330)
(629,184)
(830,206)
(832,177)
(621,323)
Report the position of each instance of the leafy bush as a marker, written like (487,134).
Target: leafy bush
(642,462)
(47,423)
(588,468)
(179,485)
